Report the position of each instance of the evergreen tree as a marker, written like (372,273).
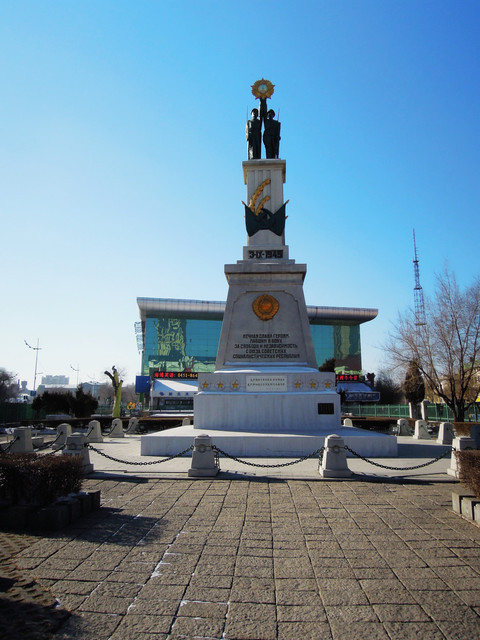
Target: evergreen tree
(414,386)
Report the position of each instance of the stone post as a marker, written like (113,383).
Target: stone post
(24,442)
(424,410)
(94,431)
(132,425)
(421,431)
(63,431)
(117,429)
(203,458)
(459,444)
(475,434)
(334,461)
(445,433)
(77,446)
(347,422)
(403,427)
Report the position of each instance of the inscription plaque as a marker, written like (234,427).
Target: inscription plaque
(266,383)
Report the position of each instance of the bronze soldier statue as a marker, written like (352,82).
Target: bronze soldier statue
(271,135)
(254,136)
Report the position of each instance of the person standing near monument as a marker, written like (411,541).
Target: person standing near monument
(271,135)
(254,136)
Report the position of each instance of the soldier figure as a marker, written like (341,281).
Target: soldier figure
(254,136)
(271,135)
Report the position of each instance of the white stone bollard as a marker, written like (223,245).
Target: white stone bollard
(348,422)
(334,461)
(421,431)
(186,422)
(403,427)
(77,446)
(203,458)
(475,434)
(63,431)
(132,425)
(94,431)
(445,433)
(23,444)
(117,429)
(424,410)
(459,444)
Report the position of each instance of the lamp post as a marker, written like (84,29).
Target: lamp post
(77,371)
(36,349)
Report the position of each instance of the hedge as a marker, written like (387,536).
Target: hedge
(469,461)
(30,479)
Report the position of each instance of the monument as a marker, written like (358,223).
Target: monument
(266,396)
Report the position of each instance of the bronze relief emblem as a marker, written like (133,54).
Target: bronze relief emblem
(265,306)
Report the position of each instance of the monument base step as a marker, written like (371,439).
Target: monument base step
(268,445)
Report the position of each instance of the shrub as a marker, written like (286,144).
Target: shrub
(26,478)
(469,462)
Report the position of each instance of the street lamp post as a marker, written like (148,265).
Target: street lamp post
(77,371)
(36,349)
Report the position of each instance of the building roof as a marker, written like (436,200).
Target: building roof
(211,310)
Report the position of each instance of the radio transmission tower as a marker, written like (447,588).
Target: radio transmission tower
(419,302)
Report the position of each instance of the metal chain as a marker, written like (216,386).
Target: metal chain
(384,466)
(139,464)
(49,444)
(52,453)
(9,446)
(270,466)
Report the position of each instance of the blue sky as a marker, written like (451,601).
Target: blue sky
(122,137)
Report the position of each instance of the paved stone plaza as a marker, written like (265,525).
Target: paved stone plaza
(260,559)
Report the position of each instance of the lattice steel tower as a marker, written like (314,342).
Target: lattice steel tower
(419,302)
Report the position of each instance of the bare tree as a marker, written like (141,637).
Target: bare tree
(117,391)
(446,348)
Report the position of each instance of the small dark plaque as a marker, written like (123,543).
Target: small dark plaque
(325,409)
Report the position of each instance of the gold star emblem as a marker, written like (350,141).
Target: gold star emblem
(313,385)
(220,385)
(298,385)
(328,385)
(205,385)
(235,385)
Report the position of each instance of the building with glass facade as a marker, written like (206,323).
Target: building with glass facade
(181,336)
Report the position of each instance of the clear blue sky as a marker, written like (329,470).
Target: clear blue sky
(122,137)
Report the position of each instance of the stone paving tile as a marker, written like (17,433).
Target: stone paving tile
(411,630)
(259,559)
(88,625)
(359,631)
(310,630)
(251,622)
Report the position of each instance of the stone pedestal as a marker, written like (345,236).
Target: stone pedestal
(266,396)
(266,376)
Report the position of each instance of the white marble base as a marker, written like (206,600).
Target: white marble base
(268,445)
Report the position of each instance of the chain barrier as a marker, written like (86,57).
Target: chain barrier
(48,445)
(52,453)
(318,452)
(9,446)
(384,466)
(139,464)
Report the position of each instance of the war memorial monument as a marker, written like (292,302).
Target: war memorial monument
(266,397)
